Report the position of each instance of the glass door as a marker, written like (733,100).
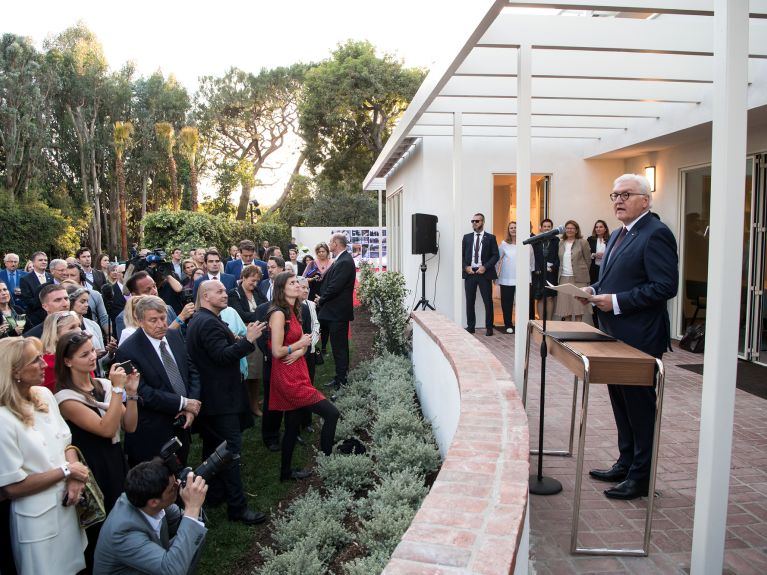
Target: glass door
(758,338)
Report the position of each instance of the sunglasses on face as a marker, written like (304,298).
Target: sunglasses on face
(476,221)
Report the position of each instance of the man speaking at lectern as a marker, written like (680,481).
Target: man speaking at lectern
(639,275)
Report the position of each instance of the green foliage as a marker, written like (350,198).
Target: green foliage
(352,422)
(350,472)
(399,418)
(383,295)
(383,530)
(341,203)
(406,451)
(167,229)
(301,559)
(371,565)
(400,488)
(31,226)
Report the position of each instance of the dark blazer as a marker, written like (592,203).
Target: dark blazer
(235,267)
(216,353)
(117,305)
(99,279)
(30,295)
(238,301)
(488,253)
(4,278)
(128,544)
(159,403)
(594,268)
(336,295)
(229,281)
(644,274)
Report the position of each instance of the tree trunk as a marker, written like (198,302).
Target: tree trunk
(144,178)
(96,201)
(120,170)
(172,173)
(193,183)
(291,182)
(242,208)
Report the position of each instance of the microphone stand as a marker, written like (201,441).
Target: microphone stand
(540,485)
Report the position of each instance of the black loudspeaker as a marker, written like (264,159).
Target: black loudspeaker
(424,234)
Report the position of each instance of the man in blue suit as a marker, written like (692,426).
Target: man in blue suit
(11,277)
(248,255)
(639,275)
(213,265)
(480,254)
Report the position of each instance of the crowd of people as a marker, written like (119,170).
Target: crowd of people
(102,368)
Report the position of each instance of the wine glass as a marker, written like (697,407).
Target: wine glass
(21,321)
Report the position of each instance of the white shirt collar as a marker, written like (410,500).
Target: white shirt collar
(632,224)
(155,522)
(156,343)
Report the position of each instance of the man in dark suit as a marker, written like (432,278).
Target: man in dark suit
(274,266)
(638,276)
(225,412)
(117,287)
(480,254)
(213,265)
(30,289)
(53,298)
(93,277)
(169,387)
(146,532)
(336,304)
(11,276)
(248,256)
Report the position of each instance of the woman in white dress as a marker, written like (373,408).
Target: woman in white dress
(507,275)
(38,472)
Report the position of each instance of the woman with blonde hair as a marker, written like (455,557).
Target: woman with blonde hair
(39,472)
(129,315)
(56,325)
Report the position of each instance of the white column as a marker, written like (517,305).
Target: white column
(524,55)
(380,226)
(457,218)
(728,162)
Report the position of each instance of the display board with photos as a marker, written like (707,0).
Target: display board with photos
(366,244)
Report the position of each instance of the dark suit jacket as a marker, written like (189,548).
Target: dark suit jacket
(4,278)
(99,279)
(488,253)
(159,403)
(644,274)
(336,297)
(229,281)
(263,288)
(30,295)
(238,301)
(235,267)
(216,353)
(128,544)
(117,305)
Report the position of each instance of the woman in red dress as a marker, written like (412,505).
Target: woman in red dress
(291,389)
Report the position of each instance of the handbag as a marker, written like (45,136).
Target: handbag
(694,339)
(319,359)
(90,508)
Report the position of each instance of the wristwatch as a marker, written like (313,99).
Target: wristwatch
(67,472)
(119,390)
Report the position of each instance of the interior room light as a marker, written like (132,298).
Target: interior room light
(649,173)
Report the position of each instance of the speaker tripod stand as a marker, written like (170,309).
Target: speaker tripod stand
(423,303)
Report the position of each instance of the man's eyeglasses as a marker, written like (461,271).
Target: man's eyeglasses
(476,221)
(624,195)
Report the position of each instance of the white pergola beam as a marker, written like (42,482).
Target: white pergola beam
(445,119)
(616,34)
(728,152)
(653,6)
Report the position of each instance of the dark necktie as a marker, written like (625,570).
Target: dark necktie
(476,250)
(174,375)
(618,242)
(12,281)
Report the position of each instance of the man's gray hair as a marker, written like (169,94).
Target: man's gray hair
(340,238)
(641,183)
(57,263)
(149,303)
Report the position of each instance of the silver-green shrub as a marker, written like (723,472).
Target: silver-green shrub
(301,559)
(383,295)
(370,565)
(350,472)
(400,488)
(402,451)
(383,531)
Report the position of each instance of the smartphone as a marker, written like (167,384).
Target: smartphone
(127,366)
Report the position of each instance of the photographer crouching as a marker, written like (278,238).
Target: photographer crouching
(146,532)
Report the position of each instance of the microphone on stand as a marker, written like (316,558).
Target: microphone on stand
(544,236)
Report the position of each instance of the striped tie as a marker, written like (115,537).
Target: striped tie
(174,375)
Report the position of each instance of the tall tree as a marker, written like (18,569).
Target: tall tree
(166,137)
(247,117)
(123,139)
(189,142)
(349,107)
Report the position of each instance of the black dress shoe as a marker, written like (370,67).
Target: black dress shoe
(489,331)
(296,475)
(273,447)
(300,440)
(470,329)
(250,517)
(616,473)
(628,489)
(309,429)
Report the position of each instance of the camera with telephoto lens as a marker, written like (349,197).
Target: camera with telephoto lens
(153,263)
(186,296)
(216,461)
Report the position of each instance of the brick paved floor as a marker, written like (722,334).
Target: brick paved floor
(609,522)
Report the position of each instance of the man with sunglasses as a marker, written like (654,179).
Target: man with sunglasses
(480,254)
(638,276)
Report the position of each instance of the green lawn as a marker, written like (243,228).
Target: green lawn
(227,543)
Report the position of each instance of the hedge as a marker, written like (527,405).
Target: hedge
(33,226)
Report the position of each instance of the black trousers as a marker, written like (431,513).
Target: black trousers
(324,334)
(507,304)
(327,411)
(634,411)
(485,286)
(339,340)
(271,421)
(227,483)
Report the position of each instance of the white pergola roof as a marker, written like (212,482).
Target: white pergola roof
(607,77)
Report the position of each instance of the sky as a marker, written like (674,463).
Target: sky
(193,39)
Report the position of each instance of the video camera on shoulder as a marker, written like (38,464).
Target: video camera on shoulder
(153,263)
(216,461)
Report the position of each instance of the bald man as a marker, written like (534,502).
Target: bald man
(216,354)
